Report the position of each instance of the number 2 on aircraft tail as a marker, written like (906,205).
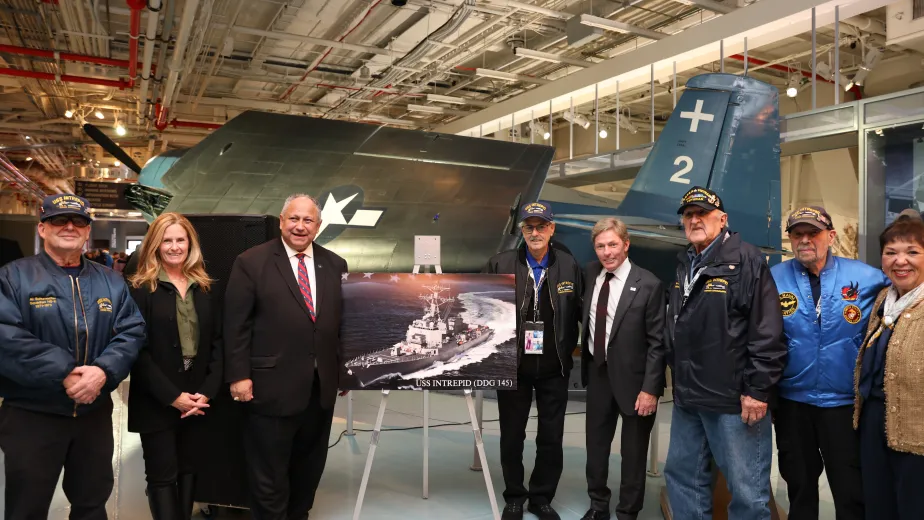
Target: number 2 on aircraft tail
(679,176)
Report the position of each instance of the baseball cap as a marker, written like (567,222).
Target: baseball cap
(65,204)
(702,197)
(814,215)
(536,209)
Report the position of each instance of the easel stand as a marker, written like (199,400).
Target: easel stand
(426,252)
(479,445)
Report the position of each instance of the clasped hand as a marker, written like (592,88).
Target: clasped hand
(191,404)
(752,410)
(84,383)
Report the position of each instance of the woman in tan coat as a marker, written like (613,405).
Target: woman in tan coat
(889,381)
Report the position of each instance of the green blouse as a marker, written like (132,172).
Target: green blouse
(186,319)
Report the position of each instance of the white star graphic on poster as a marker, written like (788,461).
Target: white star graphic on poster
(394,278)
(368,275)
(344,276)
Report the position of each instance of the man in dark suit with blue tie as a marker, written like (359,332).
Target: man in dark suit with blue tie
(283,306)
(622,366)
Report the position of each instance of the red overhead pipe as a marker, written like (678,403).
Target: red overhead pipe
(783,68)
(66,78)
(64,56)
(160,117)
(134,30)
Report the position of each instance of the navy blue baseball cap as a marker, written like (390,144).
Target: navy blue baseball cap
(65,204)
(536,209)
(702,197)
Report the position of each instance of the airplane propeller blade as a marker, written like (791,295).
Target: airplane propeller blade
(103,140)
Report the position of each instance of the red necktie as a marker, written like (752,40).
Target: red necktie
(304,285)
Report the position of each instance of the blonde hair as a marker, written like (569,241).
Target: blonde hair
(607,224)
(150,264)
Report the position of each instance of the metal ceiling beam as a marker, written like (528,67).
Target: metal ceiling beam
(754,22)
(710,5)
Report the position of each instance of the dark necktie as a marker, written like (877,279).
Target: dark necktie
(600,339)
(304,285)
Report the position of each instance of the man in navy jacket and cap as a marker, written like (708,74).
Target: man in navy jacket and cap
(69,334)
(549,292)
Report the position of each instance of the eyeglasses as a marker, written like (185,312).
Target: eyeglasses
(62,220)
(540,228)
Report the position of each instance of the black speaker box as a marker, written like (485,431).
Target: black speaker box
(222,476)
(223,237)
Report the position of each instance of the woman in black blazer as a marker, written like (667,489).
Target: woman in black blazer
(180,367)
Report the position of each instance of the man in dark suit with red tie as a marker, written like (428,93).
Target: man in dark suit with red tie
(283,306)
(622,366)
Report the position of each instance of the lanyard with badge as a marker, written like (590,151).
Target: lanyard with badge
(689,283)
(533,330)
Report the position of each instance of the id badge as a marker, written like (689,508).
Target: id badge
(533,335)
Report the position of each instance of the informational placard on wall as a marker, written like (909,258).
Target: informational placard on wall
(429,331)
(103,194)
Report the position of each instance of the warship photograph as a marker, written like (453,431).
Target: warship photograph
(405,331)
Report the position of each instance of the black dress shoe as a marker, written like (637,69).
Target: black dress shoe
(513,512)
(593,514)
(544,512)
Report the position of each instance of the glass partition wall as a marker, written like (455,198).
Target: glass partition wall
(891,164)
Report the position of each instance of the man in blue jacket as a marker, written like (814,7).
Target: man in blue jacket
(826,301)
(69,334)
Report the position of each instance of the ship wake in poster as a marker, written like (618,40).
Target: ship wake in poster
(431,331)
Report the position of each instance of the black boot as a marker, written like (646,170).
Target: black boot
(164,503)
(186,486)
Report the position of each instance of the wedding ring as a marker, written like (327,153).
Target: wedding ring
(237,398)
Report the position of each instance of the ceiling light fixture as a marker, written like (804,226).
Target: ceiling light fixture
(507,76)
(620,27)
(549,57)
(99,115)
(445,99)
(577,119)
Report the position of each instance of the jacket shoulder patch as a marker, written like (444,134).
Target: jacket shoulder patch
(788,303)
(104,304)
(850,292)
(716,285)
(565,287)
(852,314)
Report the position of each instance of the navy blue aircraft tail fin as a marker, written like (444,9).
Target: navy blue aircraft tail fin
(723,134)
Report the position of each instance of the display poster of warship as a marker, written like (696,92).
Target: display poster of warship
(428,331)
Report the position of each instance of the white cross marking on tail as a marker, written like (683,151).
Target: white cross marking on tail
(696,116)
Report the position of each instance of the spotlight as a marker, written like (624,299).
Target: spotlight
(793,89)
(117,164)
(120,130)
(603,133)
(99,115)
(69,114)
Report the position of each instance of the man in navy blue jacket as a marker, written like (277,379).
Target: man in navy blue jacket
(69,334)
(826,301)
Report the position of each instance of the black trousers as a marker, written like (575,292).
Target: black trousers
(810,439)
(893,481)
(603,413)
(169,453)
(513,408)
(285,459)
(37,446)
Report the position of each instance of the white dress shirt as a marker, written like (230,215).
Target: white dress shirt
(309,264)
(616,285)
